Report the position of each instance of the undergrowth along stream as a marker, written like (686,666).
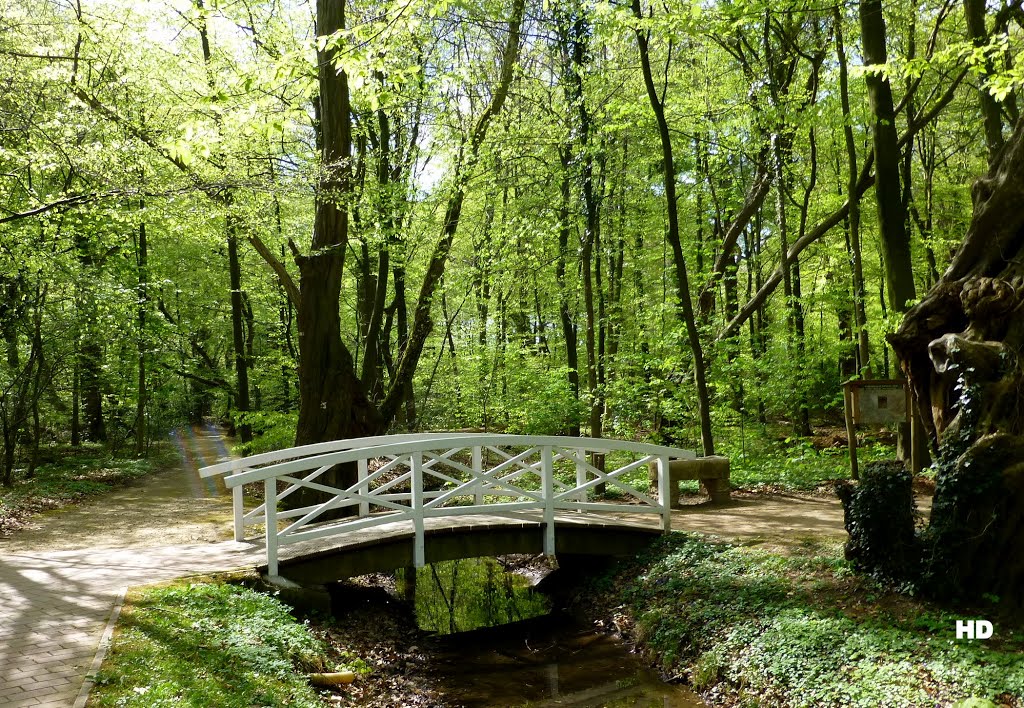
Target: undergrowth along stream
(748,627)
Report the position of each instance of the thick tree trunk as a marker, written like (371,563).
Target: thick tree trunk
(332,401)
(892,216)
(961,349)
(327,381)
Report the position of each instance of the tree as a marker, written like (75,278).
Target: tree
(892,214)
(961,348)
(682,279)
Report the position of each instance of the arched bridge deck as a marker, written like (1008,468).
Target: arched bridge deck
(425,497)
(390,546)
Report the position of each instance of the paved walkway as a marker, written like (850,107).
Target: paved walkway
(57,591)
(54,607)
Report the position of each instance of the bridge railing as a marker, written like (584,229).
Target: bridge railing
(419,476)
(255,516)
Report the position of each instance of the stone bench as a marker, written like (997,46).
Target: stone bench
(712,472)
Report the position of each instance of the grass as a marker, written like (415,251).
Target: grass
(748,627)
(770,456)
(72,475)
(208,644)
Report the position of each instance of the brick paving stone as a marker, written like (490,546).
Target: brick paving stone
(55,605)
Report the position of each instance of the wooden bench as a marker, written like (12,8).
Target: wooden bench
(712,472)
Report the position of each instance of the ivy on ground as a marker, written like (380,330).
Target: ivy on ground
(751,627)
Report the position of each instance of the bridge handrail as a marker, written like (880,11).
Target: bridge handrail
(354,454)
(291,453)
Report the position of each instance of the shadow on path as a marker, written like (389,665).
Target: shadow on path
(58,582)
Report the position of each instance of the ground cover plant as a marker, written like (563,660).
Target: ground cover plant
(751,627)
(72,475)
(208,644)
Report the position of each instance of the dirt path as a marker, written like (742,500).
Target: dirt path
(775,521)
(171,507)
(772,519)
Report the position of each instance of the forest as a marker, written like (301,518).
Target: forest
(669,221)
(496,193)
(229,227)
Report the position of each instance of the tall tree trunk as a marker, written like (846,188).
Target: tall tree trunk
(564,312)
(332,401)
(238,329)
(142,262)
(682,281)
(892,216)
(853,218)
(975,12)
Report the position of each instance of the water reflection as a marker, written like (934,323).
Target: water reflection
(500,644)
(550,661)
(466,594)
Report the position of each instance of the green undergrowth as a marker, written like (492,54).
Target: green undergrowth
(749,627)
(71,475)
(208,644)
(793,463)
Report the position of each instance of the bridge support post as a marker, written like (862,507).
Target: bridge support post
(547,481)
(419,543)
(363,488)
(270,501)
(665,492)
(238,512)
(581,475)
(478,468)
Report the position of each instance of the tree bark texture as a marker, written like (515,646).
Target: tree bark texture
(961,349)
(892,215)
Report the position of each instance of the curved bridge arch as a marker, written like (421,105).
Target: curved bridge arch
(427,480)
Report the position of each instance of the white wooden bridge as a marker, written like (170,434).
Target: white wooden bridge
(420,480)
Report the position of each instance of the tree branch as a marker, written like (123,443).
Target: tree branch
(283,276)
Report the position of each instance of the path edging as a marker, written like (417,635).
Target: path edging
(106,639)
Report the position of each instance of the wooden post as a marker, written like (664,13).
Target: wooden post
(363,488)
(665,492)
(547,475)
(581,474)
(270,501)
(478,468)
(851,430)
(238,512)
(419,542)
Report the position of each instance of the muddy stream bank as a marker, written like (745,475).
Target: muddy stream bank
(512,645)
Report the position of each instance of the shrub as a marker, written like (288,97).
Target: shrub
(879,515)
